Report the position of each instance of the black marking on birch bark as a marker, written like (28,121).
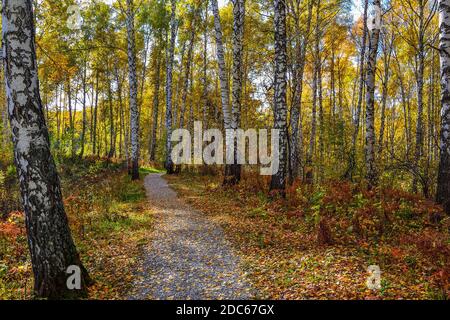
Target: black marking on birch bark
(134,110)
(278,182)
(51,246)
(443,183)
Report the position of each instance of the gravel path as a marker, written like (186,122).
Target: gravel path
(189,257)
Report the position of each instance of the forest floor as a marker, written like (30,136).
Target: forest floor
(110,219)
(319,242)
(142,240)
(188,257)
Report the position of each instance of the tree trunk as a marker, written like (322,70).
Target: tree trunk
(387,53)
(51,246)
(205,68)
(169,165)
(147,39)
(443,185)
(191,104)
(186,79)
(309,170)
(223,77)
(94,140)
(371,174)
(71,119)
(175,94)
(5,131)
(112,142)
(278,182)
(233,171)
(296,139)
(157,83)
(405,105)
(59,103)
(321,117)
(84,124)
(357,115)
(134,110)
(419,76)
(4,115)
(123,120)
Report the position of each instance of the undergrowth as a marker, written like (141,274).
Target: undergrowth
(319,241)
(110,221)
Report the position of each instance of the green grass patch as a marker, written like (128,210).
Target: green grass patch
(131,192)
(149,170)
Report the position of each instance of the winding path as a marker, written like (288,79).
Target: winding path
(188,257)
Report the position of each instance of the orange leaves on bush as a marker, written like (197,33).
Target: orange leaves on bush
(292,194)
(430,242)
(441,279)
(397,253)
(397,195)
(13,226)
(324,236)
(295,214)
(254,183)
(9,230)
(339,193)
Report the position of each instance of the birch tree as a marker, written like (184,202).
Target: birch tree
(95,115)
(278,182)
(169,165)
(205,67)
(223,77)
(4,115)
(443,186)
(233,172)
(157,83)
(296,139)
(187,77)
(374,35)
(309,170)
(50,242)
(5,132)
(112,131)
(418,18)
(84,121)
(357,115)
(132,76)
(387,47)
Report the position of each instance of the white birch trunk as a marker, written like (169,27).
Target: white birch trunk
(233,172)
(157,81)
(186,80)
(50,242)
(169,79)
(134,110)
(223,77)
(371,171)
(278,182)
(443,187)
